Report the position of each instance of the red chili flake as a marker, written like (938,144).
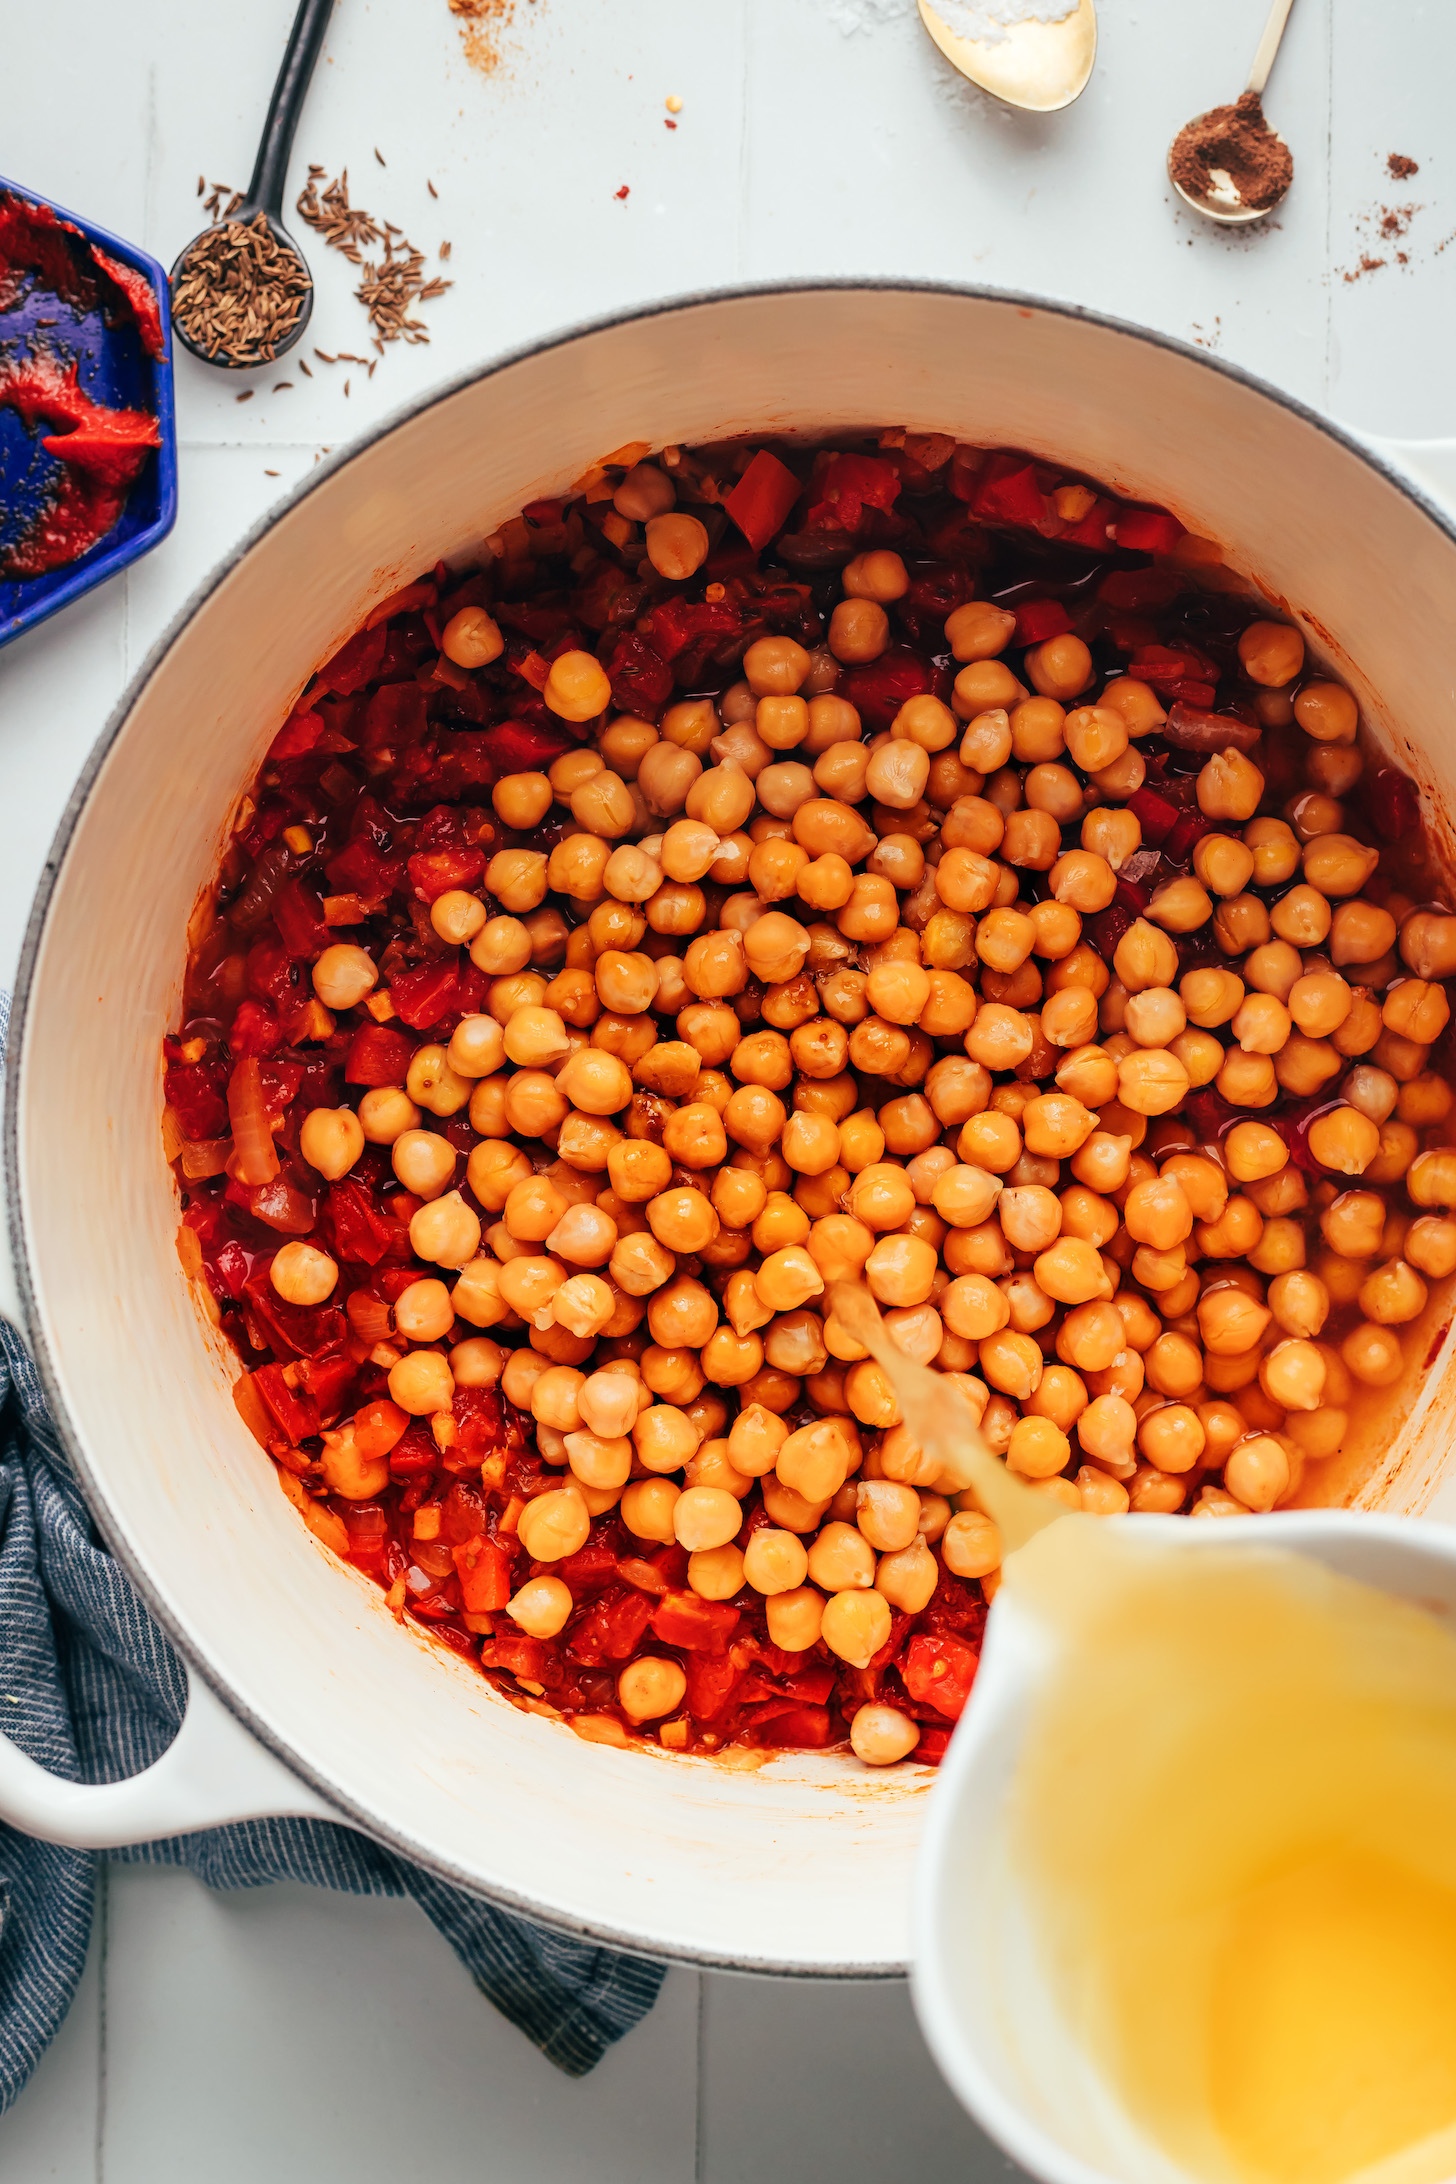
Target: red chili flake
(622,192)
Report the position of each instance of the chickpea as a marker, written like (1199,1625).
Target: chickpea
(577,688)
(652,1686)
(647,1506)
(1327,712)
(1393,1294)
(1172,1438)
(1256,1472)
(1230,786)
(705,1517)
(302,1274)
(1373,1355)
(855,1625)
(1428,944)
(880,1735)
(795,1618)
(343,975)
(422,1383)
(471,639)
(424,1163)
(1271,653)
(331,1140)
(1344,1140)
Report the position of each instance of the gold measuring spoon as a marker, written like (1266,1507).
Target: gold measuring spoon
(1039,67)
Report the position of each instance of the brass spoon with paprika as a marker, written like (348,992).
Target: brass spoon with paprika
(1224,201)
(265,191)
(1040,67)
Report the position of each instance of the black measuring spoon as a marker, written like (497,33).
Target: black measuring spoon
(265,196)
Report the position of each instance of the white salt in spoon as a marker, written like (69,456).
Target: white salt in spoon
(1037,66)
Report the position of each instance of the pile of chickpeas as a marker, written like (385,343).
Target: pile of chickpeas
(785,1006)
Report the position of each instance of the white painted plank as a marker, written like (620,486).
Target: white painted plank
(293,2034)
(827,2079)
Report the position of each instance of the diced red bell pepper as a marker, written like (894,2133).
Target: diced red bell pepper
(438,872)
(849,485)
(329,1377)
(299,914)
(484,1570)
(395,716)
(1093,528)
(518,746)
(524,1658)
(761,500)
(379,1427)
(612,1627)
(641,679)
(362,868)
(296,1415)
(1191,827)
(1154,814)
(595,1563)
(1139,591)
(879,689)
(363,1232)
(713,1681)
(478,1421)
(355,663)
(378,1055)
(1010,496)
(414,1455)
(425,996)
(939,1672)
(797,1729)
(254,1031)
(677,623)
(297,737)
(1148,530)
(1038,619)
(697,1625)
(190,1088)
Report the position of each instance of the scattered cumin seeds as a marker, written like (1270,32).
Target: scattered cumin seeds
(284,386)
(392,283)
(429,185)
(380,157)
(271,473)
(305,367)
(346,386)
(239,291)
(444,251)
(246,395)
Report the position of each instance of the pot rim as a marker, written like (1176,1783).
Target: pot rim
(109,1519)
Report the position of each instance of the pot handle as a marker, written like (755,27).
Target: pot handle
(214,1771)
(1429,464)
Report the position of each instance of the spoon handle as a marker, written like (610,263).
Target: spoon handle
(305,42)
(1268,46)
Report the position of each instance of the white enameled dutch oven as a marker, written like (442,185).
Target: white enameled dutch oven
(306,1696)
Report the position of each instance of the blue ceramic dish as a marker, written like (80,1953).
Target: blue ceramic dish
(115,368)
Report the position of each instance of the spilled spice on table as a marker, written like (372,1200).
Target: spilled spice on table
(485,27)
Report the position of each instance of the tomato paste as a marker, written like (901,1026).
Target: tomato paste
(99,450)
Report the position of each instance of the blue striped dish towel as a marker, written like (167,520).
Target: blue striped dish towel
(94,1692)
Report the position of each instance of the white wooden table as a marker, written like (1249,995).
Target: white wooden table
(304,2037)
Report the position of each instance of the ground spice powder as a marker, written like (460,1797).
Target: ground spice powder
(1232,156)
